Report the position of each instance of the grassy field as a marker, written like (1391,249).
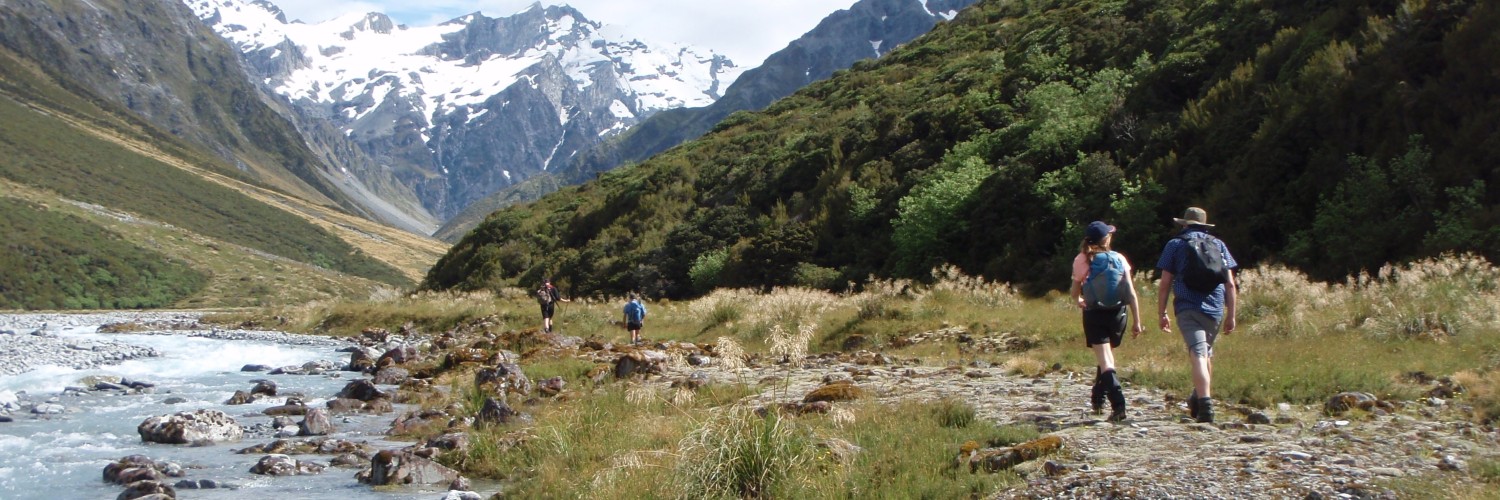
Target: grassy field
(1299,342)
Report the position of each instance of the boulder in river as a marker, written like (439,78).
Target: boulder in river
(405,467)
(283,465)
(147,490)
(362,389)
(202,426)
(316,423)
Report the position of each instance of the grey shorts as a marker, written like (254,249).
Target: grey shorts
(1198,331)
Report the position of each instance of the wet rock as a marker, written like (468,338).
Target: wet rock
(293,407)
(147,489)
(398,356)
(202,484)
(202,426)
(264,388)
(347,460)
(240,398)
(138,467)
(316,423)
(363,390)
(174,400)
(48,409)
(461,495)
(404,467)
(283,465)
(255,368)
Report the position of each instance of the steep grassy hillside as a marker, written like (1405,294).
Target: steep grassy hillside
(249,244)
(1332,137)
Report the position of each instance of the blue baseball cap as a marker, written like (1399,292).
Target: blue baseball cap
(1096,231)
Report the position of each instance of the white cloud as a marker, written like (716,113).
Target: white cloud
(746,31)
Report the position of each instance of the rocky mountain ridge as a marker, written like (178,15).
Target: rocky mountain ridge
(456,111)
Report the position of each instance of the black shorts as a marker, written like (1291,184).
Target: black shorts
(547,309)
(633,325)
(1104,325)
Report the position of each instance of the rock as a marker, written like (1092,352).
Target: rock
(453,441)
(1345,401)
(397,356)
(842,451)
(202,426)
(240,398)
(48,409)
(293,407)
(316,423)
(1451,463)
(405,467)
(505,378)
(1387,471)
(461,495)
(255,368)
(283,465)
(460,484)
(1295,455)
(497,412)
(264,387)
(363,390)
(1258,418)
(1010,457)
(347,460)
(699,360)
(465,355)
(362,359)
(174,400)
(131,469)
(391,375)
(202,484)
(692,382)
(844,391)
(642,362)
(147,489)
(552,386)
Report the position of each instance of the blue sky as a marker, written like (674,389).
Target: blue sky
(745,30)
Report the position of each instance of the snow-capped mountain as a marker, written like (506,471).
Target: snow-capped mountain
(462,109)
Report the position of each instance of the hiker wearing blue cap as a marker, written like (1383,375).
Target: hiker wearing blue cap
(1103,290)
(1198,269)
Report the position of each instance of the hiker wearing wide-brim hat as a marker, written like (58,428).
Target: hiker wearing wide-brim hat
(1102,288)
(1198,270)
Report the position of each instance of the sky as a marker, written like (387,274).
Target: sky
(745,30)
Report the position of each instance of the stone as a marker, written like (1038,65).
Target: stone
(464,355)
(315,423)
(202,426)
(255,368)
(397,356)
(396,467)
(1343,402)
(1010,457)
(1258,418)
(240,398)
(496,412)
(283,465)
(453,441)
(552,386)
(835,392)
(391,375)
(462,495)
(264,387)
(147,489)
(505,378)
(363,390)
(174,400)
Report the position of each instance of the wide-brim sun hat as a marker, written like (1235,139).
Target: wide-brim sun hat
(1193,216)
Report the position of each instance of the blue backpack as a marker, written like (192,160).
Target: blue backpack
(1101,288)
(635,311)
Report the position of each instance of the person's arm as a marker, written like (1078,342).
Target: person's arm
(1075,289)
(1231,298)
(1163,291)
(1077,292)
(1133,304)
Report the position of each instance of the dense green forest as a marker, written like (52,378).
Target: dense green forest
(55,261)
(1330,136)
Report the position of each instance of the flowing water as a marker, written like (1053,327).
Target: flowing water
(63,456)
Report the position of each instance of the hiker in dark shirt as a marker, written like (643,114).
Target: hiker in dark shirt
(1102,288)
(548,297)
(1202,309)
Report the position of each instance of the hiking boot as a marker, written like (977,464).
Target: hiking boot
(1193,406)
(1116,396)
(1096,398)
(1116,415)
(1205,413)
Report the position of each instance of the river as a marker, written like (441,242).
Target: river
(64,455)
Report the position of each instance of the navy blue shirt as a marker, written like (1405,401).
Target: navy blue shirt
(1174,260)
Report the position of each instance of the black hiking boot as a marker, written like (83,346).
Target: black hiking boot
(1111,382)
(1193,406)
(1205,413)
(1096,399)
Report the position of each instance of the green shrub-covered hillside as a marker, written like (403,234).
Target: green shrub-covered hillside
(54,261)
(1330,136)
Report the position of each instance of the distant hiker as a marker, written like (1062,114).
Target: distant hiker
(548,297)
(635,317)
(1198,269)
(1102,288)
